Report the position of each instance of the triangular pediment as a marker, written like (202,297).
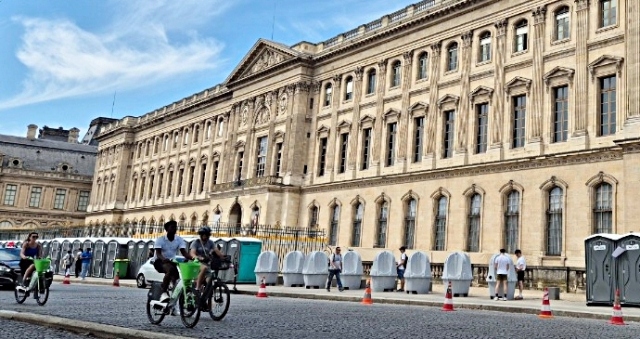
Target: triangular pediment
(606,60)
(367,118)
(559,72)
(344,124)
(419,106)
(392,112)
(323,128)
(263,55)
(516,83)
(481,90)
(449,98)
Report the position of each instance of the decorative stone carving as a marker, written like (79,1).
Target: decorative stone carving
(436,49)
(267,99)
(467,38)
(359,71)
(501,27)
(408,57)
(267,59)
(262,116)
(282,104)
(539,14)
(382,65)
(243,115)
(302,86)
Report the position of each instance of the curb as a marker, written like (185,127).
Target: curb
(85,327)
(104,282)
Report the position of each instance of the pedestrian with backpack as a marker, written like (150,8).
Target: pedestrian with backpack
(402,264)
(335,268)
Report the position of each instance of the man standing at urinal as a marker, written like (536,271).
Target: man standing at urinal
(402,265)
(502,272)
(521,266)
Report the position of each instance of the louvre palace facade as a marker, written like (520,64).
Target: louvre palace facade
(468,125)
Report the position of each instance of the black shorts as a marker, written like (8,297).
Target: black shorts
(520,275)
(24,265)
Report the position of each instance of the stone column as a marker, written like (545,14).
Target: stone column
(355,123)
(632,123)
(403,119)
(377,136)
(331,142)
(537,86)
(582,76)
(462,117)
(225,170)
(311,141)
(499,81)
(430,123)
(273,106)
(294,147)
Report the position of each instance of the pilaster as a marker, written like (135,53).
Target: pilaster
(579,123)
(497,111)
(429,155)
(331,142)
(377,137)
(353,135)
(632,38)
(403,119)
(462,118)
(534,142)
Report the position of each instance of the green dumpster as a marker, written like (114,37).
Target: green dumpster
(249,249)
(120,267)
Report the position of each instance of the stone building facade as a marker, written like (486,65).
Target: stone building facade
(468,125)
(45,181)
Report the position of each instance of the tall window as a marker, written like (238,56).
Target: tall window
(348,89)
(240,164)
(422,65)
(561,114)
(392,129)
(261,157)
(418,136)
(485,47)
(607,105)
(170,184)
(180,181)
(152,179)
(186,136)
(452,57)
(208,130)
(83,201)
(447,149)
(143,186)
(322,159)
(58,203)
(441,225)
(344,146)
(562,23)
(203,175)
(333,230)
(278,158)
(10,195)
(371,81)
(175,140)
(192,176)
(216,164)
(396,73)
(512,219)
(160,184)
(603,211)
(519,113)
(473,241)
(608,12)
(410,223)
(34,199)
(522,36)
(357,225)
(554,222)
(366,147)
(165,145)
(381,234)
(313,216)
(327,95)
(134,186)
(139,150)
(196,134)
(482,113)
(156,146)
(147,147)
(220,127)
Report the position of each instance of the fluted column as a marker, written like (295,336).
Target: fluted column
(403,120)
(331,142)
(377,138)
(537,85)
(633,61)
(462,117)
(581,77)
(355,123)
(498,110)
(430,125)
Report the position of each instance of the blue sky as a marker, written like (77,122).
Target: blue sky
(61,61)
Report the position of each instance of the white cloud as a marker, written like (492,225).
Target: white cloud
(133,50)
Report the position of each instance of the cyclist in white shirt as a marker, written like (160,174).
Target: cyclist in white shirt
(166,249)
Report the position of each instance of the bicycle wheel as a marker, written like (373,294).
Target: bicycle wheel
(219,301)
(155,314)
(188,306)
(21,295)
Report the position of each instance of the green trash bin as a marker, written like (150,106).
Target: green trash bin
(120,265)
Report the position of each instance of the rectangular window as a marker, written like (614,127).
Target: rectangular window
(240,164)
(554,222)
(348,95)
(10,195)
(143,185)
(410,223)
(152,180)
(473,237)
(608,11)
(61,194)
(322,156)
(441,225)
(519,114)
(522,37)
(562,24)
(512,219)
(170,185)
(482,112)
(160,184)
(607,106)
(603,209)
(261,160)
(333,230)
(175,141)
(392,129)
(366,148)
(561,114)
(278,158)
(216,164)
(192,175)
(418,136)
(381,237)
(203,177)
(485,48)
(133,190)
(83,201)
(34,200)
(371,82)
(357,225)
(422,66)
(311,103)
(180,181)
(344,146)
(449,121)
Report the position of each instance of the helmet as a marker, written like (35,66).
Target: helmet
(204,231)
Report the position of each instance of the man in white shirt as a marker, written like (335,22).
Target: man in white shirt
(166,249)
(335,268)
(502,271)
(402,264)
(521,267)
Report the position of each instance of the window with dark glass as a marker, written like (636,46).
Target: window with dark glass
(512,219)
(261,160)
(357,225)
(61,195)
(562,23)
(278,158)
(143,186)
(151,182)
(519,118)
(449,125)
(313,216)
(473,236)
(83,201)
(607,106)
(608,12)
(134,186)
(381,234)
(371,81)
(396,73)
(452,57)
(192,175)
(410,223)
(170,184)
(196,134)
(327,95)
(603,209)
(522,36)
(482,121)
(322,159)
(203,175)
(485,47)
(333,229)
(147,147)
(392,129)
(180,181)
(160,184)
(561,114)
(240,164)
(418,137)
(554,222)
(348,89)
(422,65)
(34,199)
(216,164)
(441,225)
(344,146)
(366,147)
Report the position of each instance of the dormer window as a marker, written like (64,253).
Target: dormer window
(15,163)
(64,167)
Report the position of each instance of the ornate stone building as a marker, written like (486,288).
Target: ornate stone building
(448,125)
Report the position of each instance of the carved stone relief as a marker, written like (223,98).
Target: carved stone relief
(282,104)
(266,59)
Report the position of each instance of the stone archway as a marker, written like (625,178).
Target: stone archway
(235,217)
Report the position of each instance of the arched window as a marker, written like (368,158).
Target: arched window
(196,134)
(410,223)
(383,216)
(220,127)
(512,220)
(208,132)
(562,23)
(357,224)
(175,140)
(348,89)
(371,81)
(156,147)
(440,225)
(422,65)
(5,223)
(333,229)
(485,47)
(396,73)
(554,222)
(186,136)
(327,95)
(522,36)
(313,216)
(147,147)
(139,150)
(452,57)
(473,240)
(165,147)
(603,209)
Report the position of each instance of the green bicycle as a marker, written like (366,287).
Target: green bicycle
(37,285)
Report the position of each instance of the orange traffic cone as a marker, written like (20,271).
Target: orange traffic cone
(116,279)
(448,300)
(262,291)
(367,294)
(66,280)
(545,311)
(616,317)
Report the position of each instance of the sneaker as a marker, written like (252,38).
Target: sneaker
(341,289)
(400,290)
(21,288)
(496,298)
(328,290)
(164,297)
(504,299)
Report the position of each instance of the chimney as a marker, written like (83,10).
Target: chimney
(73,135)
(31,131)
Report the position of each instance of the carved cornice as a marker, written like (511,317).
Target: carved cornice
(408,57)
(582,4)
(467,38)
(501,27)
(382,65)
(436,49)
(539,14)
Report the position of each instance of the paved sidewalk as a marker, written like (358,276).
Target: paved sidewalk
(571,305)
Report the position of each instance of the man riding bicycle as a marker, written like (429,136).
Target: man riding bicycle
(204,249)
(166,249)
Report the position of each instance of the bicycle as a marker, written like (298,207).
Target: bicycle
(37,285)
(216,296)
(184,294)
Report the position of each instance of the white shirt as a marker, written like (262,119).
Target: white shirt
(503,264)
(337,261)
(403,258)
(169,248)
(521,264)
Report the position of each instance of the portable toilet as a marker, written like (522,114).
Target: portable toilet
(492,280)
(246,251)
(601,268)
(352,270)
(267,268)
(417,274)
(315,270)
(457,270)
(116,249)
(65,246)
(45,248)
(56,246)
(99,256)
(628,266)
(384,272)
(292,269)
(132,249)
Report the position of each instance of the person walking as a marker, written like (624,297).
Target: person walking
(402,264)
(521,267)
(86,262)
(78,260)
(335,268)
(502,271)
(67,261)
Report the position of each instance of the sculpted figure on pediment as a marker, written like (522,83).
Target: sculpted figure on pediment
(267,58)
